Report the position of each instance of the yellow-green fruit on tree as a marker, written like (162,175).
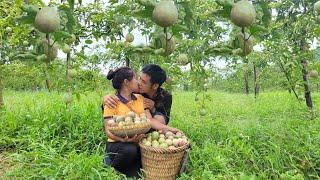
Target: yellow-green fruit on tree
(47,20)
(129,37)
(53,53)
(183,59)
(165,13)
(317,7)
(243,13)
(25,43)
(66,48)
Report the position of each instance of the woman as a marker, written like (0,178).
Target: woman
(124,153)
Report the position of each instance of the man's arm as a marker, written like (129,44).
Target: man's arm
(110,101)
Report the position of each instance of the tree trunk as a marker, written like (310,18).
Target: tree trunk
(256,84)
(289,81)
(46,73)
(68,66)
(127,62)
(307,92)
(246,82)
(1,93)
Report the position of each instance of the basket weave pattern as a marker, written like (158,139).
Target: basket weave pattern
(130,131)
(161,164)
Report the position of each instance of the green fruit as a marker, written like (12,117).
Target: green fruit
(66,48)
(168,42)
(246,42)
(165,13)
(120,119)
(25,43)
(8,29)
(169,142)
(203,112)
(243,13)
(183,59)
(67,97)
(143,119)
(132,114)
(196,98)
(313,73)
(71,39)
(317,7)
(72,73)
(155,135)
(42,57)
(169,133)
(128,120)
(179,135)
(159,51)
(161,140)
(155,144)
(318,19)
(147,143)
(175,142)
(43,49)
(129,37)
(47,20)
(163,145)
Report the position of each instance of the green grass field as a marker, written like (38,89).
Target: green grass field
(240,137)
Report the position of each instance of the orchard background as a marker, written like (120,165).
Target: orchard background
(244,79)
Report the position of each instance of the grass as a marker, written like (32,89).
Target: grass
(240,137)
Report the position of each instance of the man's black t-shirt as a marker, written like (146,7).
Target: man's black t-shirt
(162,103)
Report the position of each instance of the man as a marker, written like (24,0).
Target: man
(157,100)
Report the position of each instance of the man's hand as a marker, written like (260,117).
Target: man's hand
(148,103)
(110,101)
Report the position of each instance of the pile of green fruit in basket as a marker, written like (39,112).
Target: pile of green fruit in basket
(168,140)
(131,119)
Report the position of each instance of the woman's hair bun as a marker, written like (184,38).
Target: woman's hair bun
(111,74)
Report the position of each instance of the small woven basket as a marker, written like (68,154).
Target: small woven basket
(130,131)
(161,164)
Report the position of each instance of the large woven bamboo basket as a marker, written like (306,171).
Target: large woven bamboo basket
(130,131)
(161,164)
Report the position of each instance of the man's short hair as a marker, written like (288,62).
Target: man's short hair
(156,73)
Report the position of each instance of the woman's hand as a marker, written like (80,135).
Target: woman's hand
(136,138)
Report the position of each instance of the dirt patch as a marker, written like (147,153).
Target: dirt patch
(5,166)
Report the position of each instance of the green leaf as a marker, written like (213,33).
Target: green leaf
(70,18)
(71,3)
(266,18)
(317,54)
(88,41)
(256,30)
(113,1)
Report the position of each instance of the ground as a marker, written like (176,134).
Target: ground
(271,137)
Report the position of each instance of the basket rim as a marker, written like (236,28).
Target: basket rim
(163,150)
(131,127)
